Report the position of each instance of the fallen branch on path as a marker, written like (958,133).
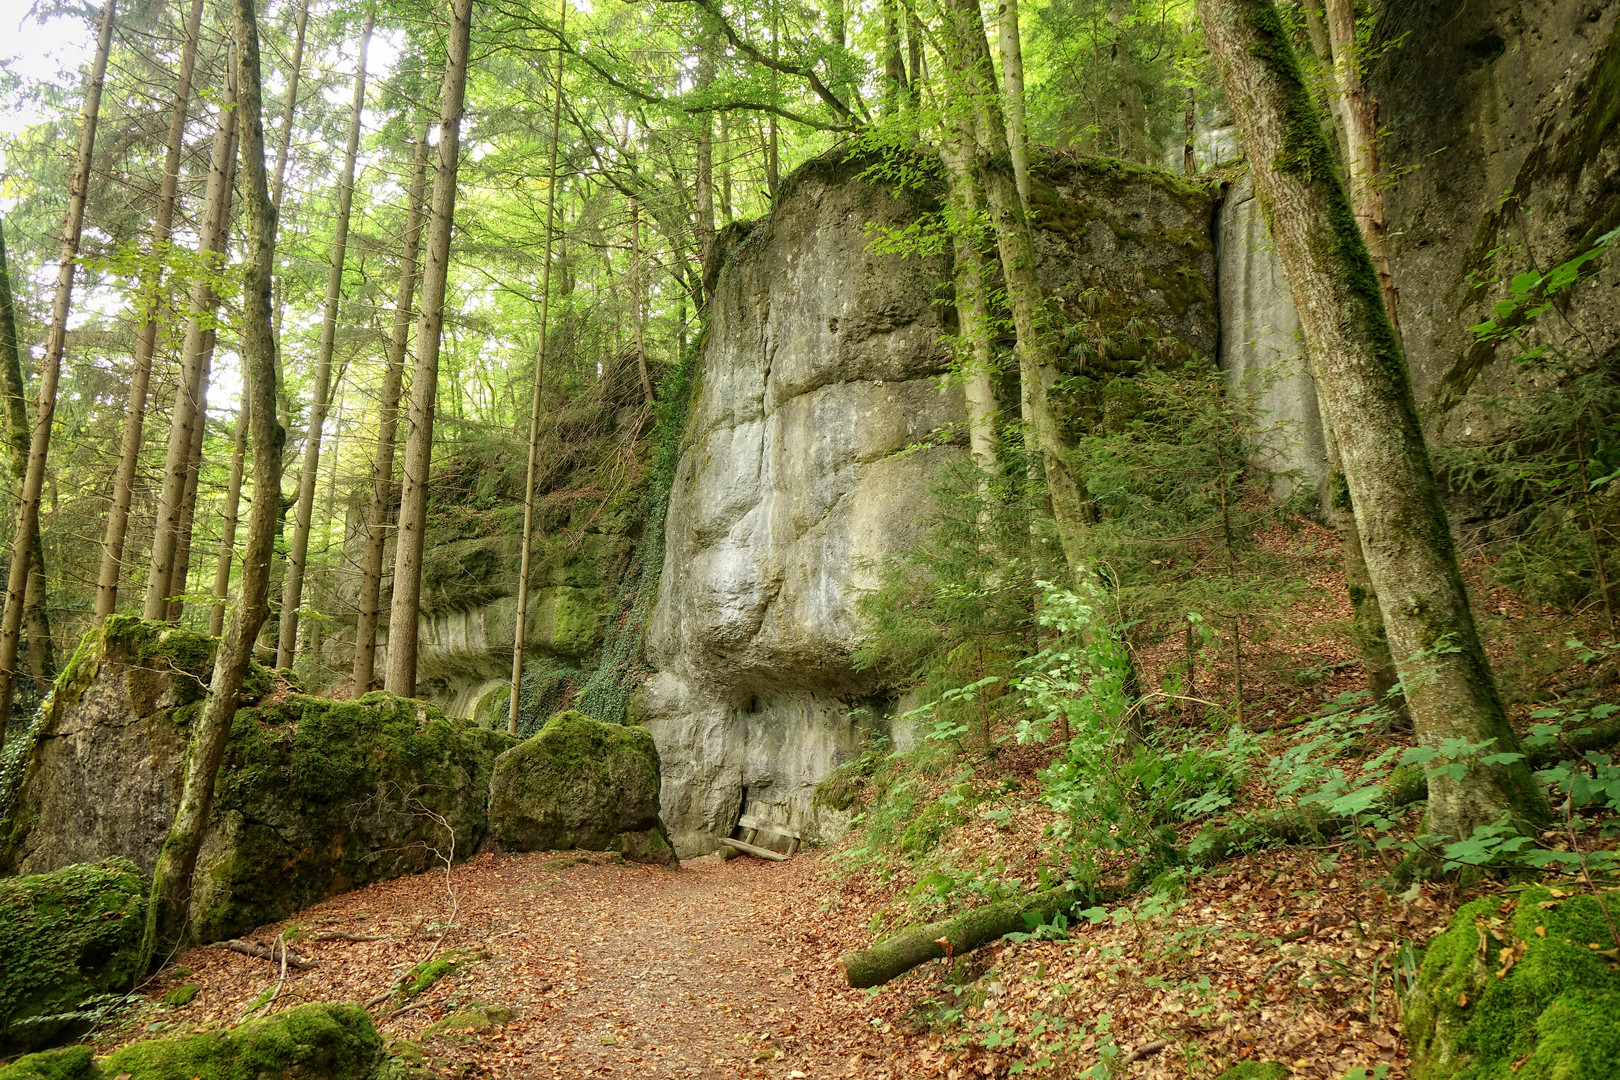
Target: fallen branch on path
(261,952)
(915,945)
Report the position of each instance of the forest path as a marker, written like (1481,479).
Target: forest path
(609,969)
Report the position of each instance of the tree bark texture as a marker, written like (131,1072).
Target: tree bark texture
(140,376)
(201,308)
(1367,401)
(1037,363)
(50,369)
(292,593)
(977,356)
(1009,42)
(407,596)
(36,618)
(171,879)
(228,523)
(521,618)
(180,571)
(382,467)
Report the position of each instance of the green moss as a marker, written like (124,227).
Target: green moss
(1256,1070)
(930,827)
(421,978)
(64,937)
(1554,1016)
(468,1022)
(334,1042)
(184,994)
(70,1063)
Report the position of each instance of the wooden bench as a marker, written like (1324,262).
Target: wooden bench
(752,826)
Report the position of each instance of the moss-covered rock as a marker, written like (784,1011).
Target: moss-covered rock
(311,1042)
(64,937)
(580,783)
(1526,989)
(69,1063)
(318,797)
(98,773)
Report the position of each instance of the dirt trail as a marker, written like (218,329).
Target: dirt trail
(609,970)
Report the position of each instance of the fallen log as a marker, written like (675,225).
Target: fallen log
(263,952)
(902,951)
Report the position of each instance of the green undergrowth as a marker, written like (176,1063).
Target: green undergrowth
(606,694)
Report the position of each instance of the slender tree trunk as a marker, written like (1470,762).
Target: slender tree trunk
(382,469)
(727,213)
(894,64)
(23,540)
(1367,400)
(636,298)
(406,606)
(1358,112)
(1189,122)
(36,618)
(200,315)
(1010,44)
(292,593)
(916,70)
(972,305)
(228,523)
(704,166)
(295,76)
(520,624)
(140,377)
(171,879)
(1037,362)
(180,571)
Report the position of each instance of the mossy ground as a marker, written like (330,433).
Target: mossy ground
(1554,1014)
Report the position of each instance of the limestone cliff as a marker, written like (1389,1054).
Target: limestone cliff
(823,362)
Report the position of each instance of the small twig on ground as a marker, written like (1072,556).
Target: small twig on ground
(344,935)
(259,952)
(1144,1051)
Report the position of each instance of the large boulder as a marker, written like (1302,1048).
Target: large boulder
(580,784)
(98,774)
(65,936)
(318,797)
(310,1042)
(315,797)
(1520,988)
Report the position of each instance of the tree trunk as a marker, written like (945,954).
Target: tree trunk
(1358,112)
(171,879)
(1367,400)
(295,75)
(36,618)
(703,172)
(636,297)
(1189,122)
(200,316)
(180,571)
(228,522)
(972,306)
(23,540)
(1037,363)
(520,622)
(1010,43)
(403,612)
(140,376)
(382,469)
(894,64)
(292,593)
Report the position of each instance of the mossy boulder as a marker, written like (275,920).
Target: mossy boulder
(317,797)
(1524,988)
(311,1042)
(580,783)
(65,936)
(99,772)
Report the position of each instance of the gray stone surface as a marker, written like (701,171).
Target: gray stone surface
(1262,353)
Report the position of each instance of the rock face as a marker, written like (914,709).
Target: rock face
(65,936)
(580,783)
(315,797)
(108,749)
(1555,1012)
(822,363)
